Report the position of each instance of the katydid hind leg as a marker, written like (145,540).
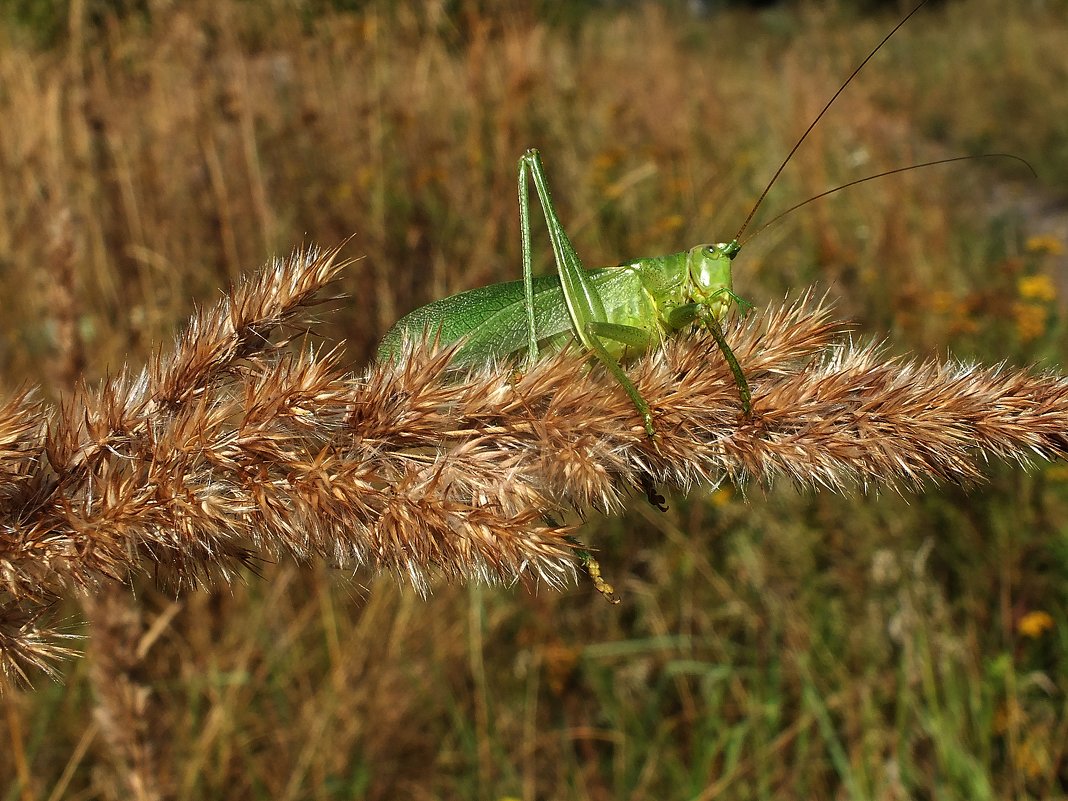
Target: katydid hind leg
(528,267)
(637,338)
(584,302)
(597,346)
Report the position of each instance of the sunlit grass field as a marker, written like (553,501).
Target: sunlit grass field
(772,641)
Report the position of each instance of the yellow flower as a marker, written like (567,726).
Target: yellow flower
(1045,243)
(1036,287)
(1031,320)
(1035,624)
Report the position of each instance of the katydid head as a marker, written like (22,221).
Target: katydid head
(709,268)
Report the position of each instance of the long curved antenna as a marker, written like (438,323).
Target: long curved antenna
(796,206)
(819,116)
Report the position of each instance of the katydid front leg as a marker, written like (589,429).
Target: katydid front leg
(584,305)
(691,312)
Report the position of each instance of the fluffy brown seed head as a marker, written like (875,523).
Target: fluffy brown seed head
(231,448)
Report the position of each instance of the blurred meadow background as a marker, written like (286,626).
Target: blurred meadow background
(772,642)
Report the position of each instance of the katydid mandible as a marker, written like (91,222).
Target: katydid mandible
(616,313)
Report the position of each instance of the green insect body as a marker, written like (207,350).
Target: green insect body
(616,313)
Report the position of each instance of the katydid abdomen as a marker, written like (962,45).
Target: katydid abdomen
(490,320)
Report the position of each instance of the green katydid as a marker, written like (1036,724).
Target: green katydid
(613,312)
